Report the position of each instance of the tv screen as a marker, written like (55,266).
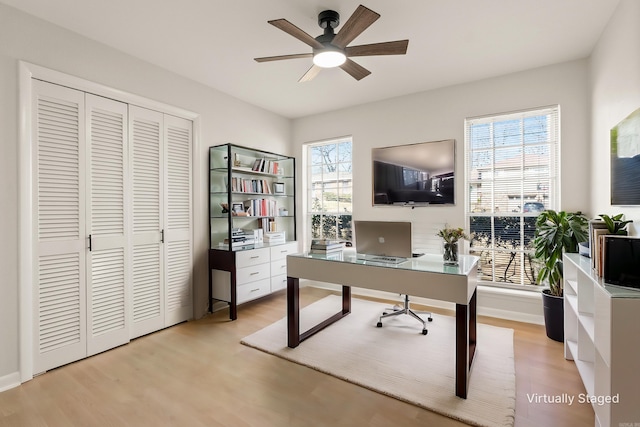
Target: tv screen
(414,174)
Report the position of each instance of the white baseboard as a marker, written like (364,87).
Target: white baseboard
(510,304)
(9,381)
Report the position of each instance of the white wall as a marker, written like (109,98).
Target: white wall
(614,83)
(440,114)
(223,119)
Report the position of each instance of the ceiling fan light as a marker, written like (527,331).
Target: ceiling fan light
(329,58)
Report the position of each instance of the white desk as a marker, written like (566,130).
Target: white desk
(426,276)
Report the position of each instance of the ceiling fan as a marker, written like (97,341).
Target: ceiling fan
(331,50)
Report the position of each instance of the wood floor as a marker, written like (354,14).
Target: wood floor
(198,374)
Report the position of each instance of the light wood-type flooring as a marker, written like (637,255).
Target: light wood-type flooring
(198,374)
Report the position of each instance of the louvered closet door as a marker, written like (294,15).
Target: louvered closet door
(178,222)
(146,142)
(107,260)
(59,226)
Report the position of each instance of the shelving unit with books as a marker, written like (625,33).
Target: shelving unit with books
(252,217)
(602,336)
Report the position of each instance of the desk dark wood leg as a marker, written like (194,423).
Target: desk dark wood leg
(346,299)
(465,344)
(210,290)
(293,312)
(472,326)
(233,305)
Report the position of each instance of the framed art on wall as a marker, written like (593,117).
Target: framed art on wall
(625,161)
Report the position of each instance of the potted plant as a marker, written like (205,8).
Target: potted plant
(615,224)
(556,233)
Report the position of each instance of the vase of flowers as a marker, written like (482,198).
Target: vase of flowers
(450,244)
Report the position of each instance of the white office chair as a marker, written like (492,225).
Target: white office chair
(405,309)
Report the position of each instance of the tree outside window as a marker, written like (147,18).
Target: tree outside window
(511,176)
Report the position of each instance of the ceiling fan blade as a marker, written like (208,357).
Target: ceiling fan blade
(361,19)
(296,32)
(310,74)
(281,57)
(398,47)
(356,71)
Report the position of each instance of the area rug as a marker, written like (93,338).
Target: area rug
(398,361)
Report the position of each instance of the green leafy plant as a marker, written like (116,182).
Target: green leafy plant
(452,235)
(615,224)
(556,233)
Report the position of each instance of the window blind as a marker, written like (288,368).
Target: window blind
(512,174)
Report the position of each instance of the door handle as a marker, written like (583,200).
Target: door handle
(162,236)
(89,242)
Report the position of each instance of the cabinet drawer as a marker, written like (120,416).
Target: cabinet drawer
(281,251)
(252,257)
(278,282)
(252,274)
(253,290)
(279,267)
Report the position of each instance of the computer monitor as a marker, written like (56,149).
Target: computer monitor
(383,238)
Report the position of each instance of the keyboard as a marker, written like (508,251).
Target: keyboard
(387,259)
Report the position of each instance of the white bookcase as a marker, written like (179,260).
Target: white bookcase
(602,336)
(249,191)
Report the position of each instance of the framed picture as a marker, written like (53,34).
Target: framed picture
(278,187)
(625,161)
(237,207)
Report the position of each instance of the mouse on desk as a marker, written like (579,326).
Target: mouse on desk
(417,254)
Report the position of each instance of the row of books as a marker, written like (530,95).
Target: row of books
(266,166)
(597,231)
(325,246)
(268,225)
(261,207)
(240,185)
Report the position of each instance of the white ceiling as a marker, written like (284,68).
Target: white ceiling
(450,41)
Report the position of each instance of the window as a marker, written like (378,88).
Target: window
(511,175)
(330,188)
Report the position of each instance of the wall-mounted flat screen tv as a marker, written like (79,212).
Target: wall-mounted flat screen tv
(415,174)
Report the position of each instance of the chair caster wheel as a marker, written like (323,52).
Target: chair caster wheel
(430,319)
(384,314)
(425,332)
(379,325)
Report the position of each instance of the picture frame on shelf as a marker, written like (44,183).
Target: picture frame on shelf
(237,207)
(278,188)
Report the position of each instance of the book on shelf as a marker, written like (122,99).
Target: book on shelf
(603,254)
(326,245)
(266,166)
(274,237)
(596,249)
(594,224)
(243,185)
(261,207)
(268,225)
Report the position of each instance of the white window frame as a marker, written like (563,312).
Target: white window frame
(553,201)
(307,167)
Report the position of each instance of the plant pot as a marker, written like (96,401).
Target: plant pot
(553,315)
